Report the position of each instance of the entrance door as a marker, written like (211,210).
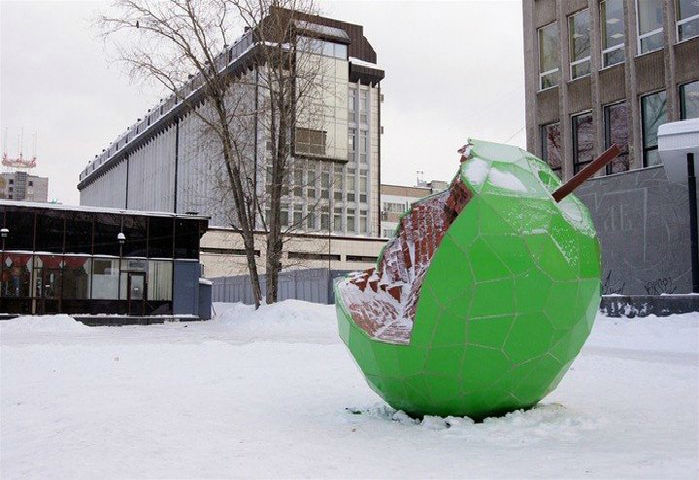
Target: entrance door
(136,292)
(47,290)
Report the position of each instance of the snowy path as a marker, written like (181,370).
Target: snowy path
(265,395)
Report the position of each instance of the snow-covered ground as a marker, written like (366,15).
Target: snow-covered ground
(267,393)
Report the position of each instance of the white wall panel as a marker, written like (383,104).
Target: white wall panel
(109,190)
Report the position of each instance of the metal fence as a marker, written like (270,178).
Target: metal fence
(311,285)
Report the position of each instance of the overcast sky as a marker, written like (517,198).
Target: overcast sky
(453,70)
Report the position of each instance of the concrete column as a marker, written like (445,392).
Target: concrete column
(564,107)
(595,65)
(670,36)
(531,78)
(631,85)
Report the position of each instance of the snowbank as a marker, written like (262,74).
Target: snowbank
(44,324)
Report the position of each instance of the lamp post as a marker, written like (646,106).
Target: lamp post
(4,233)
(678,143)
(121,238)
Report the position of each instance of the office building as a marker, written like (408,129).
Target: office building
(612,71)
(397,199)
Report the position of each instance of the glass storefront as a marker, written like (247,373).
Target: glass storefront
(62,261)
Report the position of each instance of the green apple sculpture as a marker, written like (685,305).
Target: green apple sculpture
(485,296)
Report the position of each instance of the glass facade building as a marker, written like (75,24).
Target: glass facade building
(58,259)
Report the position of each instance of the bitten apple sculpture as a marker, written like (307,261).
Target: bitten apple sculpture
(485,296)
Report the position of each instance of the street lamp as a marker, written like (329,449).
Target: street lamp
(4,233)
(678,144)
(121,238)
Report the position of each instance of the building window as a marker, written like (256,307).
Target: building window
(363,145)
(337,219)
(311,218)
(394,207)
(352,104)
(613,31)
(689,100)
(310,141)
(687,19)
(311,190)
(653,114)
(30,183)
(551,146)
(324,218)
(363,221)
(325,183)
(650,25)
(364,106)
(298,216)
(298,181)
(351,184)
(388,232)
(549,56)
(350,221)
(583,136)
(616,130)
(579,43)
(363,183)
(351,143)
(338,194)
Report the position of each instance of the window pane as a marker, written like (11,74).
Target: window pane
(78,233)
(16,275)
(160,237)
(687,8)
(653,114)
(616,125)
(583,136)
(186,238)
(341,51)
(689,100)
(652,42)
(107,227)
(579,31)
(105,279)
(20,223)
(688,29)
(159,280)
(650,15)
(134,228)
(551,145)
(548,52)
(76,278)
(49,231)
(613,30)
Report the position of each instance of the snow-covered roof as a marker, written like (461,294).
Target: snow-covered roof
(91,209)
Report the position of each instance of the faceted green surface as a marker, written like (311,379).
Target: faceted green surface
(507,302)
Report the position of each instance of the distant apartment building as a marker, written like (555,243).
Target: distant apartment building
(332,189)
(21,186)
(397,199)
(608,72)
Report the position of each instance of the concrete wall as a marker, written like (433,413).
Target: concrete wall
(643,225)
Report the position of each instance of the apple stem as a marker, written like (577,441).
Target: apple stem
(595,165)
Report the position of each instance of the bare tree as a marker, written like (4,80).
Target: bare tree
(184,46)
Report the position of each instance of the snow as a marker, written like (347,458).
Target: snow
(274,393)
(506,180)
(476,171)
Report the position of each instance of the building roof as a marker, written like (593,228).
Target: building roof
(89,209)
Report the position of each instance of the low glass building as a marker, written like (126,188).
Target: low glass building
(86,260)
